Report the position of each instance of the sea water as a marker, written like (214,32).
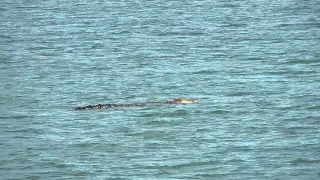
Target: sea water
(254,65)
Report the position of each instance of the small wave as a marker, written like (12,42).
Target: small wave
(14,117)
(295,62)
(205,72)
(216,111)
(150,134)
(176,113)
(240,94)
(160,122)
(187,165)
(304,161)
(316,107)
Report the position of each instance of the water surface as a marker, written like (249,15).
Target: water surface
(255,65)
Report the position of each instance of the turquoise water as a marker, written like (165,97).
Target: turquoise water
(254,65)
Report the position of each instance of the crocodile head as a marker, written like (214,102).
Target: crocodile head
(186,101)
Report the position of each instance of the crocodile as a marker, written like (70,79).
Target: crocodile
(105,106)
